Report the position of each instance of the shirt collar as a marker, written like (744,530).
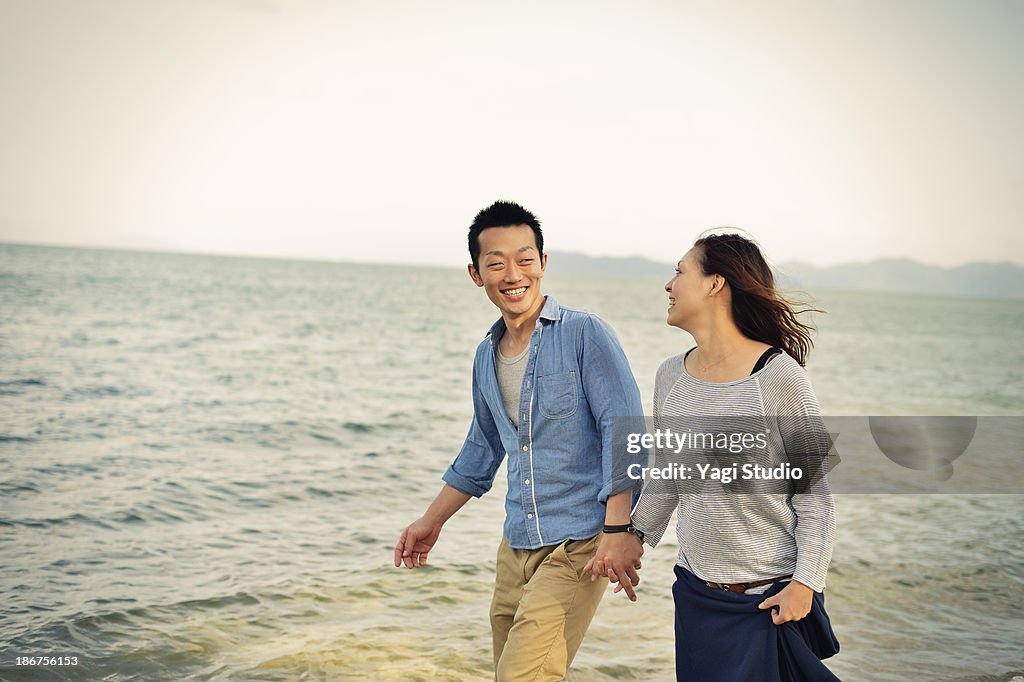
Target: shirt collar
(550,311)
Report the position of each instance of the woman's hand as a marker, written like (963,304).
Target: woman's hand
(618,558)
(792,603)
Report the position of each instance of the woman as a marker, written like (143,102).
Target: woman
(751,567)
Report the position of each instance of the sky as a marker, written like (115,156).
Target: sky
(374,131)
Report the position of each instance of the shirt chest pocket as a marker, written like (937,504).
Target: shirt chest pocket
(558,394)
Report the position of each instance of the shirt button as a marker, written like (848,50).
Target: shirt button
(524,448)
(527,481)
(529,516)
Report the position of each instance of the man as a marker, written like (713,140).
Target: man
(548,385)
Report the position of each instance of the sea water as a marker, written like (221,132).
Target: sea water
(206,462)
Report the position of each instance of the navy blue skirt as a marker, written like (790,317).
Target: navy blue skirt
(723,637)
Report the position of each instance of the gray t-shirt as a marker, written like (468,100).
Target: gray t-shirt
(510,381)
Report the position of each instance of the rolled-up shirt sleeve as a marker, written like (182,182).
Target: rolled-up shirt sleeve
(474,468)
(615,403)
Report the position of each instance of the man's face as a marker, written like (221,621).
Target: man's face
(510,270)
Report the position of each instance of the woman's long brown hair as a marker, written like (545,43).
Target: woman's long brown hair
(760,311)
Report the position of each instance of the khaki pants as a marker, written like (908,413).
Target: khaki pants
(541,609)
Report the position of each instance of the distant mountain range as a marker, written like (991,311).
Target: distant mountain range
(986,280)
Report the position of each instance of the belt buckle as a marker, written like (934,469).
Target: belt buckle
(726,588)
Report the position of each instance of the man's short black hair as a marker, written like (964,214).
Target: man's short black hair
(502,214)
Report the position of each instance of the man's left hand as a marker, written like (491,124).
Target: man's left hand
(618,558)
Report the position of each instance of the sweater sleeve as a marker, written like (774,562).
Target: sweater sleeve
(659,498)
(807,446)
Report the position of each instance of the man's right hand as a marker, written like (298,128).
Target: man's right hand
(416,541)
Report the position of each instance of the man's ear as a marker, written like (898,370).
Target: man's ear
(474,275)
(543,262)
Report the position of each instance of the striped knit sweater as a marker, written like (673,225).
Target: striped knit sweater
(731,537)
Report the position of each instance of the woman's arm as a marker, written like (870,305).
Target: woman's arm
(807,445)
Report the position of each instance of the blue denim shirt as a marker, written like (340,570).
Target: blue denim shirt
(562,462)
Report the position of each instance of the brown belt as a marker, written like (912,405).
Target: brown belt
(740,588)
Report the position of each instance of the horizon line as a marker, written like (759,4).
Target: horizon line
(315,259)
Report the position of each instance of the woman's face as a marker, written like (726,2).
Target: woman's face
(687,291)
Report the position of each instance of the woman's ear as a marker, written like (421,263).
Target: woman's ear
(717,283)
